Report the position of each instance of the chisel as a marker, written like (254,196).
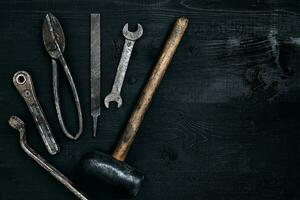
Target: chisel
(95,69)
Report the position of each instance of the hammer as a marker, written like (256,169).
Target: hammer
(112,169)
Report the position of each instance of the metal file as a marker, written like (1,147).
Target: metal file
(95,69)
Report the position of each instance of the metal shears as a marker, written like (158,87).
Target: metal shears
(54,42)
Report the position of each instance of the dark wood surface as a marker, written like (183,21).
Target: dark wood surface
(224,124)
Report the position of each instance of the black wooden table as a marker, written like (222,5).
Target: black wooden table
(224,123)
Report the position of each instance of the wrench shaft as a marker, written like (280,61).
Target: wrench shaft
(123,65)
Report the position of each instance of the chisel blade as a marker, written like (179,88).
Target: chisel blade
(95,69)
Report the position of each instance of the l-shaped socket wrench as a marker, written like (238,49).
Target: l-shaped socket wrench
(19,125)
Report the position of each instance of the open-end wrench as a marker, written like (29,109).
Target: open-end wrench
(130,38)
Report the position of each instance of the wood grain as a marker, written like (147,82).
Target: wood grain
(224,123)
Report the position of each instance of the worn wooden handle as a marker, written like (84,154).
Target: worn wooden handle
(143,103)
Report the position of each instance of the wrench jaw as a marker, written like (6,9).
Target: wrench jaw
(113,97)
(132,35)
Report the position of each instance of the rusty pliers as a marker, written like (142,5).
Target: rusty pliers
(54,41)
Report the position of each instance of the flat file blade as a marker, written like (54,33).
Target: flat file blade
(95,69)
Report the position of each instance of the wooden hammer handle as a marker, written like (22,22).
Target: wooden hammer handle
(143,103)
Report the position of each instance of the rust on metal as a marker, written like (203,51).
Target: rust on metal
(54,42)
(23,82)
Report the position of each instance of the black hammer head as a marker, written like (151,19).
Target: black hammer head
(106,169)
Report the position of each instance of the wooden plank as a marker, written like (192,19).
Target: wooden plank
(223,125)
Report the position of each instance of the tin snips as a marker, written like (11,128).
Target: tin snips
(54,41)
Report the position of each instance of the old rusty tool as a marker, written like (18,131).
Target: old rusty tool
(112,169)
(54,42)
(130,39)
(95,70)
(19,125)
(23,82)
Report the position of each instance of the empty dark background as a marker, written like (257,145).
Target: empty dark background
(224,123)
